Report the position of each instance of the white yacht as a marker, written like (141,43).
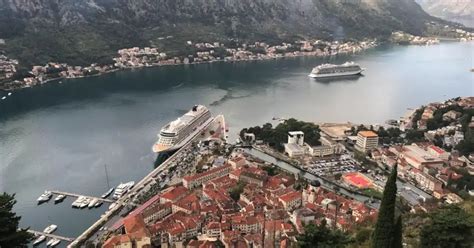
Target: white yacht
(50,229)
(80,202)
(332,70)
(98,204)
(55,242)
(46,196)
(39,240)
(122,189)
(85,202)
(93,202)
(176,133)
(59,198)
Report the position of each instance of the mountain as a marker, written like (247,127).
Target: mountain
(461,11)
(85,31)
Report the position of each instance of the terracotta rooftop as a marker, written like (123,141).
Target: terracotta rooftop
(208,172)
(290,196)
(367,134)
(175,193)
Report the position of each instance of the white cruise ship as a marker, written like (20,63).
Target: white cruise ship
(331,70)
(176,133)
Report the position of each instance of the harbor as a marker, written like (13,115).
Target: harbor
(60,136)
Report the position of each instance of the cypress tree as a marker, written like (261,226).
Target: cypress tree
(397,234)
(10,234)
(383,232)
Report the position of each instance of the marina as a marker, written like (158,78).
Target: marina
(49,235)
(97,199)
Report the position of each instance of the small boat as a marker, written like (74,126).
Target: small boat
(98,204)
(9,93)
(106,194)
(77,202)
(93,202)
(59,198)
(54,242)
(3,98)
(49,242)
(39,240)
(46,196)
(50,229)
(84,203)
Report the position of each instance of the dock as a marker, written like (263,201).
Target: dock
(79,195)
(49,235)
(120,202)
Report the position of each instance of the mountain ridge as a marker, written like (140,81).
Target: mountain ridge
(82,32)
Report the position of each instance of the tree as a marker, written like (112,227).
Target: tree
(384,227)
(235,191)
(450,226)
(322,237)
(10,234)
(397,234)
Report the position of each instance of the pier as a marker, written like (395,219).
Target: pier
(49,235)
(79,195)
(120,202)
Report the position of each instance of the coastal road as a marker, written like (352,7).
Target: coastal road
(218,120)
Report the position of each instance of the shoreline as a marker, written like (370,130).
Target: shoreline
(191,63)
(117,69)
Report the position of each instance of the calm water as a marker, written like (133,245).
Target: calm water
(59,136)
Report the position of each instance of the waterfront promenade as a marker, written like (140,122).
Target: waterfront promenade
(140,185)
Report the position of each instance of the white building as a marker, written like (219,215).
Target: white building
(296,137)
(294,150)
(366,141)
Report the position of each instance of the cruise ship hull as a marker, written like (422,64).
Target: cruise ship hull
(339,74)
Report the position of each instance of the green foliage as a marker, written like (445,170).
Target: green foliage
(417,116)
(10,234)
(390,135)
(384,227)
(373,193)
(465,183)
(322,237)
(275,137)
(437,120)
(413,135)
(363,235)
(466,146)
(237,190)
(271,170)
(397,241)
(450,226)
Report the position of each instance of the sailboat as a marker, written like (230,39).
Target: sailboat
(107,194)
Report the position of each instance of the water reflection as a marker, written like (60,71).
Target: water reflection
(349,78)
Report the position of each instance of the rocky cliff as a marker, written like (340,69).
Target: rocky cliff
(81,32)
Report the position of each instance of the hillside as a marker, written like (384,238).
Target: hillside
(461,11)
(81,32)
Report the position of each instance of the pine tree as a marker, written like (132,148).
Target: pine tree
(397,233)
(10,235)
(382,235)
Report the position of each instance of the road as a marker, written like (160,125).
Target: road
(123,201)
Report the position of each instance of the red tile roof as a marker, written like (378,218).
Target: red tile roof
(206,173)
(291,196)
(175,194)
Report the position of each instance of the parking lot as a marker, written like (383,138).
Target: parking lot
(343,164)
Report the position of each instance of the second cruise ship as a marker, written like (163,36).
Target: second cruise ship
(176,133)
(331,70)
